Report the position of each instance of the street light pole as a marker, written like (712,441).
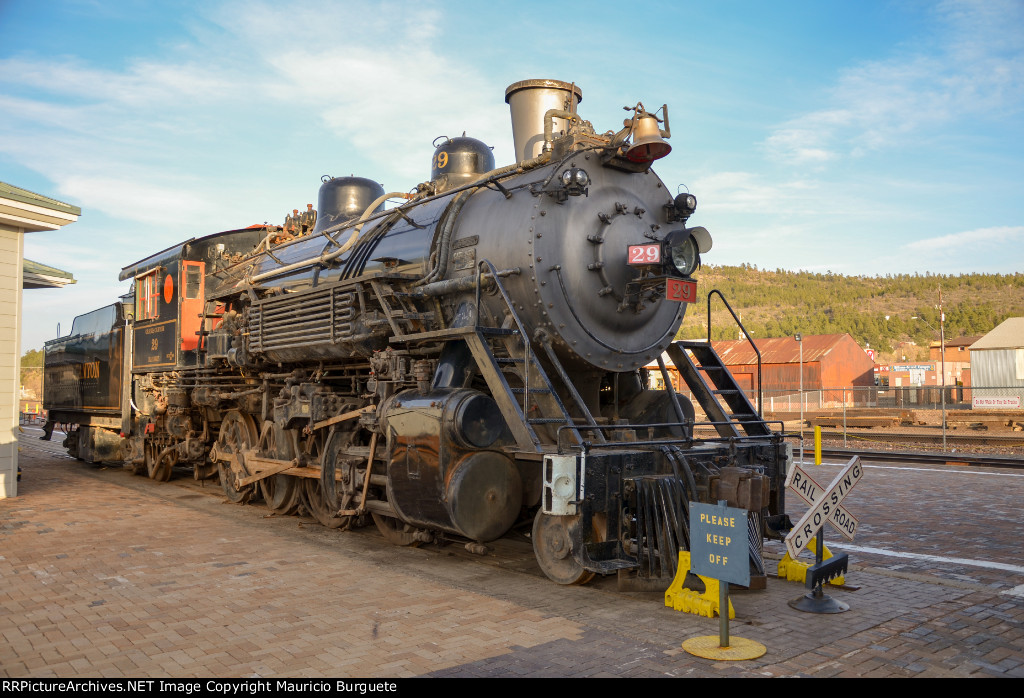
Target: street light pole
(800,341)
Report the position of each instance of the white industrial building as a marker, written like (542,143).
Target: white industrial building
(997,367)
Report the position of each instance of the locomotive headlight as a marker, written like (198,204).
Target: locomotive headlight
(682,251)
(575,181)
(686,204)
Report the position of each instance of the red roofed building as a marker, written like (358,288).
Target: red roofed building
(831,362)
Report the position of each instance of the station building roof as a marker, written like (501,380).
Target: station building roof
(957,342)
(780,350)
(36,275)
(30,212)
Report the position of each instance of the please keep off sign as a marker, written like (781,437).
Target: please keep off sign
(718,543)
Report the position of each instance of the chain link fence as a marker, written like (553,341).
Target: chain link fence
(967,420)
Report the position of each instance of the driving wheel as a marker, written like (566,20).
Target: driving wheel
(282,493)
(237,434)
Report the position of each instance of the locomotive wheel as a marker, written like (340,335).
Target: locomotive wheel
(136,467)
(282,493)
(323,507)
(552,545)
(157,468)
(323,511)
(394,531)
(237,433)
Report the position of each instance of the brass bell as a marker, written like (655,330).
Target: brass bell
(648,145)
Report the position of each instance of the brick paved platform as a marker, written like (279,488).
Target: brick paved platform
(108,574)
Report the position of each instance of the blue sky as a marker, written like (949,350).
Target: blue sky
(858,137)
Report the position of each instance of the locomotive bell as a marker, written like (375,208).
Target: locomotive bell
(345,198)
(648,145)
(459,161)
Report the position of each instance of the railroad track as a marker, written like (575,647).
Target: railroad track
(974,439)
(925,458)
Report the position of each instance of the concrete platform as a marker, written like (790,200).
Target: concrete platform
(106,574)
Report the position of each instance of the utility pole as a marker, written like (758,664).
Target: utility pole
(800,341)
(942,359)
(942,348)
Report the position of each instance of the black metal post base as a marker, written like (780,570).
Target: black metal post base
(818,602)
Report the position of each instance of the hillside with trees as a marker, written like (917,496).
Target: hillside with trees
(874,310)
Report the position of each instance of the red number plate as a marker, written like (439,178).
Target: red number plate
(682,291)
(645,254)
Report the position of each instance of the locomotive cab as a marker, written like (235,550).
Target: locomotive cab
(170,291)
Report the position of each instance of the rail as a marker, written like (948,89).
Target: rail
(746,335)
(668,440)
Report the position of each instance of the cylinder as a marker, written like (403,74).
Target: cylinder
(528,101)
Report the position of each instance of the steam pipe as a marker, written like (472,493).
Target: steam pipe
(549,124)
(327,257)
(441,268)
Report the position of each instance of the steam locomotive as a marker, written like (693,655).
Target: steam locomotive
(467,362)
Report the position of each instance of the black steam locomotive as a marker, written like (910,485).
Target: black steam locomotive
(463,363)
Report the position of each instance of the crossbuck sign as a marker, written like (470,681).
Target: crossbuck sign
(824,504)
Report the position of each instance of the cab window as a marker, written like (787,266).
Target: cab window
(147,297)
(193,280)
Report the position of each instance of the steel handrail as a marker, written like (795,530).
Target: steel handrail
(670,439)
(746,335)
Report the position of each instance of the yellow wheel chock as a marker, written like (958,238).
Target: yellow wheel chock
(689,601)
(795,571)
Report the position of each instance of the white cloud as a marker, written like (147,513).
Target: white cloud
(142,85)
(173,136)
(1007,239)
(361,92)
(746,192)
(148,202)
(973,66)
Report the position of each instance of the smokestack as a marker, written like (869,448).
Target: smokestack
(528,101)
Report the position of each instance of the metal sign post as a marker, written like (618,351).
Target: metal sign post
(719,550)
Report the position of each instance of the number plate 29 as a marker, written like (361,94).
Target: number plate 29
(682,291)
(644,254)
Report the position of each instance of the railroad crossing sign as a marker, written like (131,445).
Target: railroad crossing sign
(825,506)
(808,489)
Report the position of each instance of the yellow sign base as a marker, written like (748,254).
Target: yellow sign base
(739,648)
(689,601)
(795,571)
